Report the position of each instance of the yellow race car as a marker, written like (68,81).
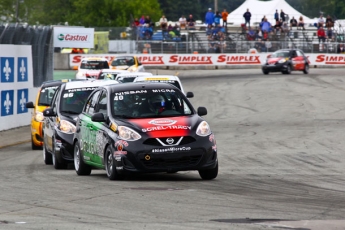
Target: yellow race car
(44,97)
(129,63)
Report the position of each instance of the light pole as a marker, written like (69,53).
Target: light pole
(215,5)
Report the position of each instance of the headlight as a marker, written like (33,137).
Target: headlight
(203,129)
(128,134)
(67,127)
(282,60)
(39,116)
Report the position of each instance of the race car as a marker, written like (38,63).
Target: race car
(91,67)
(285,61)
(130,63)
(110,74)
(143,128)
(43,99)
(171,79)
(60,120)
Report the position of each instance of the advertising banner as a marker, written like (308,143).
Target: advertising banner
(16,85)
(73,37)
(210,59)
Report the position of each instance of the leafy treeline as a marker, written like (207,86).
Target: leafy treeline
(117,13)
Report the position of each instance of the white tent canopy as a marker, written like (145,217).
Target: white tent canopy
(259,9)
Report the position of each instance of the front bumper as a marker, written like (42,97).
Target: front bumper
(64,147)
(36,133)
(199,155)
(278,67)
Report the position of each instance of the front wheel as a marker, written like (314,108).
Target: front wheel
(47,157)
(306,69)
(81,168)
(288,69)
(56,163)
(110,167)
(209,174)
(265,71)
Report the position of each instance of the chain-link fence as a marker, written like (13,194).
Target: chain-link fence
(41,41)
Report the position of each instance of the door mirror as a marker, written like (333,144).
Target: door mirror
(202,111)
(30,105)
(190,94)
(98,117)
(49,112)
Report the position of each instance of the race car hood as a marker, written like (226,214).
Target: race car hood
(122,67)
(273,60)
(165,127)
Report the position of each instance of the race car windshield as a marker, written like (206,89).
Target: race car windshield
(126,79)
(150,103)
(73,100)
(174,83)
(123,61)
(94,65)
(280,54)
(46,95)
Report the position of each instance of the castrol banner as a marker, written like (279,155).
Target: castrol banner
(256,59)
(73,37)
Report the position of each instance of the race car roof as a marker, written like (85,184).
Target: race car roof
(139,86)
(88,83)
(157,78)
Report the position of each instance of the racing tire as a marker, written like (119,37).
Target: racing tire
(110,167)
(56,163)
(265,72)
(81,168)
(306,69)
(47,157)
(209,174)
(35,147)
(288,69)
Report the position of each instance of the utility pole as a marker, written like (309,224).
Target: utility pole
(215,5)
(17,10)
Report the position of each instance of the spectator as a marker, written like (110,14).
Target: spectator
(183,22)
(301,23)
(278,26)
(263,19)
(247,15)
(320,21)
(148,21)
(163,22)
(329,22)
(191,22)
(293,22)
(285,28)
(251,34)
(170,27)
(136,22)
(142,20)
(217,18)
(276,16)
(321,34)
(209,17)
(266,26)
(330,34)
(176,30)
(259,35)
(268,45)
(282,15)
(225,18)
(209,30)
(341,49)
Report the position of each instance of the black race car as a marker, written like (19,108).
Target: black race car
(285,61)
(60,120)
(143,128)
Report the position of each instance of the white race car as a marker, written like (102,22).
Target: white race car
(91,67)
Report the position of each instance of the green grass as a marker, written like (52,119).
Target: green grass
(64,74)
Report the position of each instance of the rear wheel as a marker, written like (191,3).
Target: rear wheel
(265,71)
(288,69)
(80,167)
(306,69)
(110,167)
(47,157)
(209,174)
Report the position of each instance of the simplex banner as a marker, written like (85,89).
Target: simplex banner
(210,59)
(16,85)
(73,37)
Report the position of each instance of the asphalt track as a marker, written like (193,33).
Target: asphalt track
(281,153)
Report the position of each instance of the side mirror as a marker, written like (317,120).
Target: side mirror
(98,117)
(190,94)
(49,112)
(202,111)
(30,105)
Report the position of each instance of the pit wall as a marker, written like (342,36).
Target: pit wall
(198,61)
(16,85)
